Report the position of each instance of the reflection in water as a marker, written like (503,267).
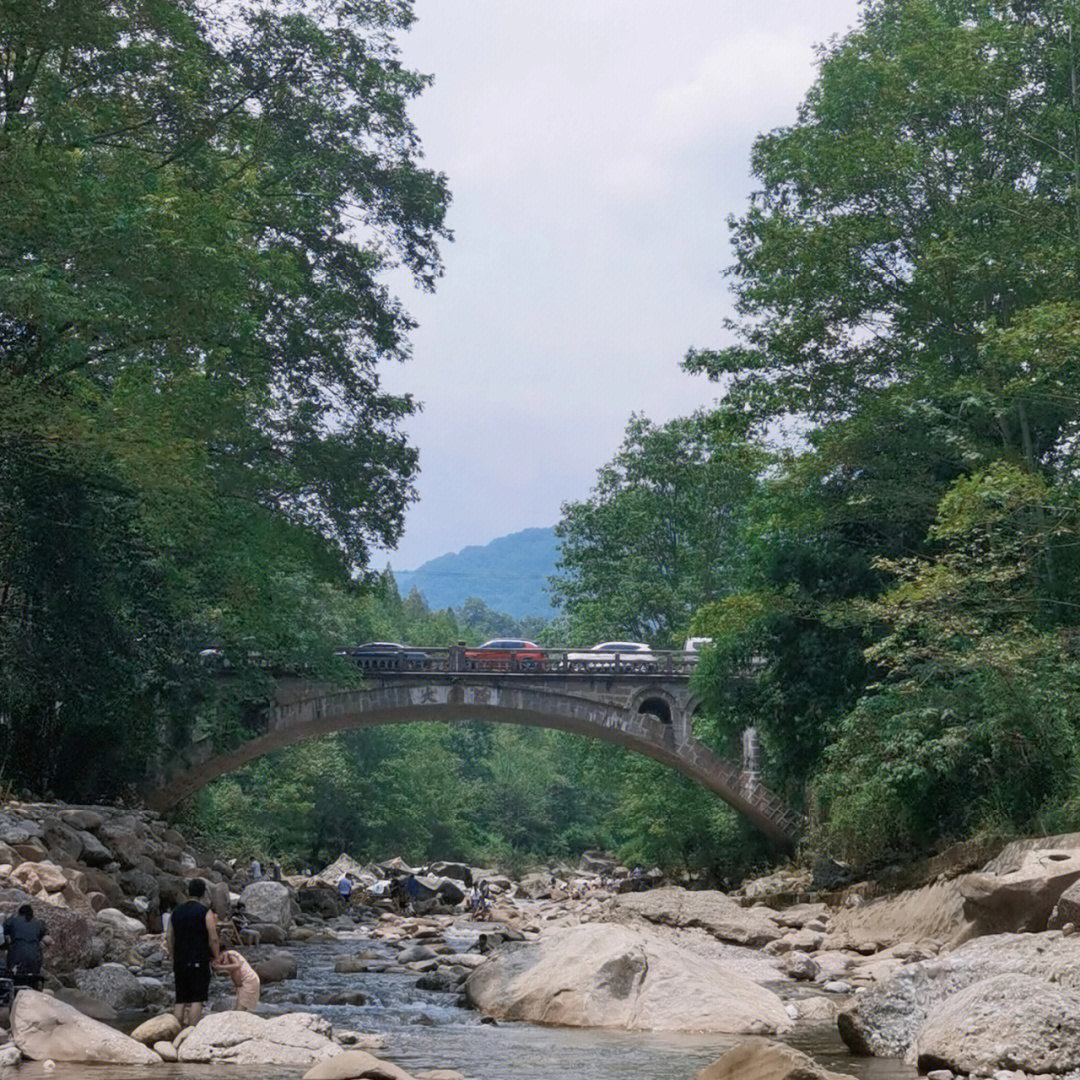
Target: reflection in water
(427,1030)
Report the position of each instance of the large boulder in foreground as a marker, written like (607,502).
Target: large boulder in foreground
(356,1065)
(712,911)
(603,975)
(44,1028)
(242,1038)
(763,1059)
(1007,1022)
(884,1019)
(268,902)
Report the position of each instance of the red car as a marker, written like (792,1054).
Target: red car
(506,654)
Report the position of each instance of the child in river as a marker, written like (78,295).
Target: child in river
(243,976)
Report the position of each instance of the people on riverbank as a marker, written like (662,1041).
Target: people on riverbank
(191,943)
(24,935)
(244,978)
(344,889)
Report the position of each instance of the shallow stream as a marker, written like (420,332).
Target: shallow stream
(428,1030)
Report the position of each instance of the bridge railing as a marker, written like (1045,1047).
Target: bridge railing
(541,661)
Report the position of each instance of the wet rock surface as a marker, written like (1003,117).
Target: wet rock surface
(616,976)
(788,958)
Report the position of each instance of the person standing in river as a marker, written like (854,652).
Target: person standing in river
(192,943)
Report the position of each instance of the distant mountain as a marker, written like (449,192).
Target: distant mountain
(509,574)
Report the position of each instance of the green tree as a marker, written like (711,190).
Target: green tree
(195,209)
(905,280)
(658,535)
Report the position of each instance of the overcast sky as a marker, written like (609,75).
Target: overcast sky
(595,149)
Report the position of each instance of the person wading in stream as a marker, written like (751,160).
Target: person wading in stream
(192,943)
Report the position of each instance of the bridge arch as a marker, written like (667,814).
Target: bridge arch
(620,711)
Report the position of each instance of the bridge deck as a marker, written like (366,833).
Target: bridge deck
(554,661)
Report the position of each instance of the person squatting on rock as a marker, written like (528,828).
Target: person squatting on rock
(244,979)
(23,936)
(192,943)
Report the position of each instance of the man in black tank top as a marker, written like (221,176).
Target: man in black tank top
(192,942)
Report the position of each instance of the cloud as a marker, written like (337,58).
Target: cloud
(595,149)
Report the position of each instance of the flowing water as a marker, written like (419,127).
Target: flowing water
(428,1030)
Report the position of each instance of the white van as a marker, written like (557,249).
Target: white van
(696,644)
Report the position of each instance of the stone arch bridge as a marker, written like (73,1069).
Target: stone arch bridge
(645,706)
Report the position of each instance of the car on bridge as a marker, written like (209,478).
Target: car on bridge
(506,654)
(614,656)
(383,656)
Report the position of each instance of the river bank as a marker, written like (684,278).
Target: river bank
(582,970)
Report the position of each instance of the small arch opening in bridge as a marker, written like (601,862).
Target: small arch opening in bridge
(658,708)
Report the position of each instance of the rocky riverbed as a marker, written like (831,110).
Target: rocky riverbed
(970,972)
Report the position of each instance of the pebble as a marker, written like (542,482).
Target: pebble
(837,986)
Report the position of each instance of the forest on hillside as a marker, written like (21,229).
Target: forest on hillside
(879,519)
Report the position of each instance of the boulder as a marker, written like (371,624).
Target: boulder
(126,924)
(70,935)
(63,839)
(457,871)
(534,886)
(94,852)
(442,980)
(1007,1022)
(354,1065)
(596,862)
(104,883)
(604,975)
(270,933)
(166,1051)
(932,912)
(86,1004)
(163,1028)
(268,902)
(323,902)
(884,1019)
(1067,909)
(449,890)
(276,967)
(763,1059)
(413,953)
(1020,900)
(172,891)
(816,1010)
(39,877)
(119,837)
(115,985)
(46,1029)
(242,1038)
(800,966)
(712,911)
(16,830)
(81,817)
(217,898)
(342,865)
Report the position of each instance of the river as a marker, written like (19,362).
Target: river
(427,1030)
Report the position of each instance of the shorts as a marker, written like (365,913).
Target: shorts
(192,983)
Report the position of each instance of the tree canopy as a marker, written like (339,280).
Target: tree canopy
(196,209)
